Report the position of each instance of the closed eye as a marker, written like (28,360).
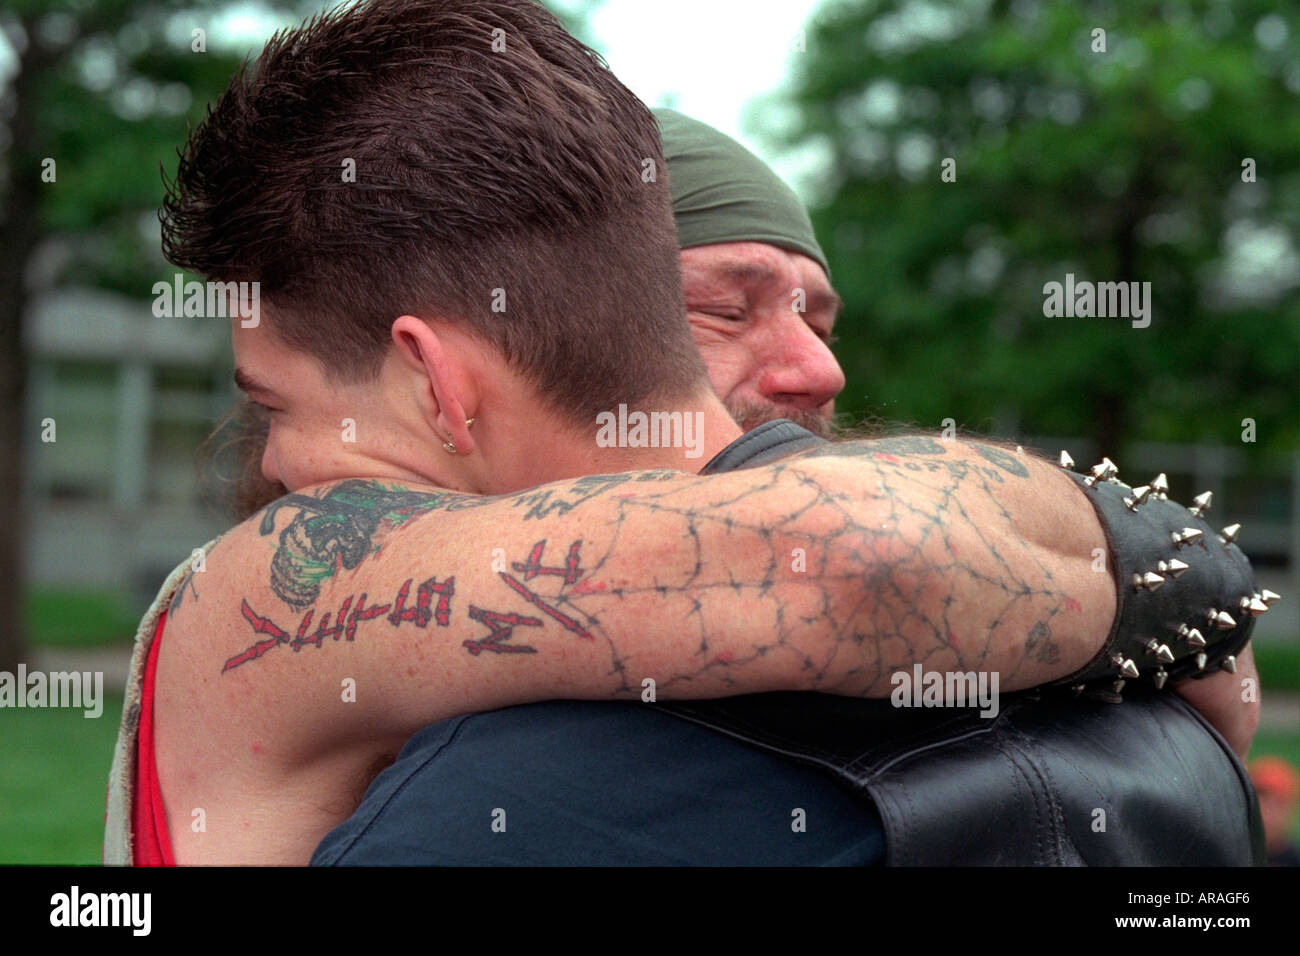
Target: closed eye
(723,314)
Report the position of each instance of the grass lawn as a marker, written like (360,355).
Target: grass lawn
(53,779)
(58,618)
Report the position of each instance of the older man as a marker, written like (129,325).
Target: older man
(756,281)
(763,312)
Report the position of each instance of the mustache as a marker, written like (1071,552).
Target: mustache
(749,415)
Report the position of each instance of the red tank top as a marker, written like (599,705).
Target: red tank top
(149,819)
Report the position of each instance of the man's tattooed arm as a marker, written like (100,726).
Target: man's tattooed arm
(831,570)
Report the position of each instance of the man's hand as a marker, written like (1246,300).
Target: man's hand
(1221,699)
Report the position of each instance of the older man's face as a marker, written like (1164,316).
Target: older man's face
(766,358)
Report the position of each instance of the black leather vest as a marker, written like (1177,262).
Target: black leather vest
(1051,780)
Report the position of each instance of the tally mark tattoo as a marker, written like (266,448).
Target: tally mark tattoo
(433,603)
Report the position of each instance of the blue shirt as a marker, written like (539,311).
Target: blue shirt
(581,783)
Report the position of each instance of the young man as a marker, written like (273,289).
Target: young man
(499,279)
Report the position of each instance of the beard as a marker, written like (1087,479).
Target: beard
(749,416)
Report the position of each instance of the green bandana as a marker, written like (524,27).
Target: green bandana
(724,193)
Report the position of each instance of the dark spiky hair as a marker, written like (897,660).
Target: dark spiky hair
(492,151)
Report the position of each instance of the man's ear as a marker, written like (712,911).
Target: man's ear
(445,389)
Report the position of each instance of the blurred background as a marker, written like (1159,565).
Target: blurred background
(1169,156)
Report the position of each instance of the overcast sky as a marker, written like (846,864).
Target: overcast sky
(707,58)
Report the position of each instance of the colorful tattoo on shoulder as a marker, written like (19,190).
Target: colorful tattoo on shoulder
(337,529)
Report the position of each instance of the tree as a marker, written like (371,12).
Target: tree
(98,104)
(99,97)
(1116,158)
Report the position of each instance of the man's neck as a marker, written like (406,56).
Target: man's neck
(684,438)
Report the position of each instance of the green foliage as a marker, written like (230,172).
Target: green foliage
(1117,166)
(113,88)
(114,101)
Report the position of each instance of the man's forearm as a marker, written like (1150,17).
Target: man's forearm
(829,571)
(974,556)
(835,569)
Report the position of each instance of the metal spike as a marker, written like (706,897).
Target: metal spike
(1152,645)
(1187,536)
(1229,664)
(1229,534)
(1201,503)
(1159,677)
(1191,635)
(1201,660)
(1105,470)
(1221,620)
(1173,568)
(1129,669)
(1268,597)
(1065,461)
(1164,655)
(1140,495)
(1147,582)
(1255,606)
(1118,685)
(1160,485)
